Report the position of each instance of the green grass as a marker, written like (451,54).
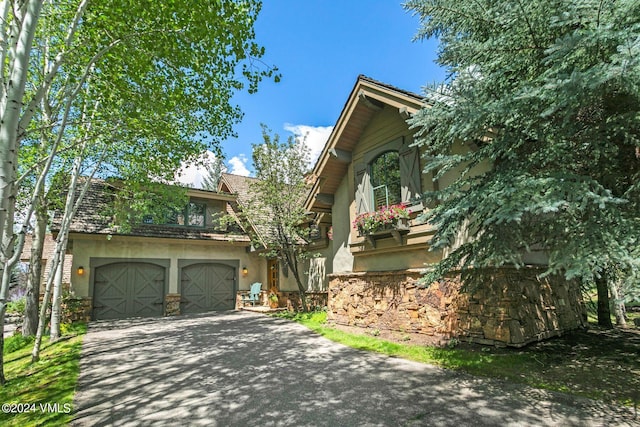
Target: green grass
(52,380)
(477,363)
(587,365)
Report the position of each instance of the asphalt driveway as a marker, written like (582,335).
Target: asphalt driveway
(244,369)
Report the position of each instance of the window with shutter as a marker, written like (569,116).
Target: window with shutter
(388,176)
(385,179)
(363,188)
(410,172)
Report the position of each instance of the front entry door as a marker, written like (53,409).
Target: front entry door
(273,279)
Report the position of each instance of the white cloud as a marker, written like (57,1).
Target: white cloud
(191,174)
(317,137)
(238,165)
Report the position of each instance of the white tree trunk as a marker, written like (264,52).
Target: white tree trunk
(71,207)
(18,51)
(617,303)
(11,105)
(42,319)
(32,302)
(56,299)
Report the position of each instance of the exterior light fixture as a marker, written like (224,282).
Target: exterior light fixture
(80,271)
(245,271)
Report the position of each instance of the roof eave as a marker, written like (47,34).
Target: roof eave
(365,91)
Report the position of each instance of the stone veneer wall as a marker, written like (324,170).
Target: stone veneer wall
(74,309)
(511,308)
(172,304)
(288,299)
(293,302)
(77,310)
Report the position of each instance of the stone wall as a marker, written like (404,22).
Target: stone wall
(76,309)
(288,299)
(292,301)
(172,305)
(511,307)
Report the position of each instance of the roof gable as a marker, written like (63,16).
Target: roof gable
(367,97)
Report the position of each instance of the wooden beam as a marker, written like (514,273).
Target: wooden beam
(321,209)
(342,156)
(371,103)
(324,198)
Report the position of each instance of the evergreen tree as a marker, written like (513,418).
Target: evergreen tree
(215,168)
(548,94)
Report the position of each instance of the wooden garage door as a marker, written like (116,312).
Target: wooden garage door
(207,287)
(128,289)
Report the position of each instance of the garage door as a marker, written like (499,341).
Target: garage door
(207,287)
(128,289)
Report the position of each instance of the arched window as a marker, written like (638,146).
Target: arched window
(385,179)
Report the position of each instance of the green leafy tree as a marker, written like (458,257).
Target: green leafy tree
(117,89)
(275,208)
(548,94)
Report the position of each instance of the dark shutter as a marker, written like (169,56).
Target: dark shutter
(363,188)
(410,176)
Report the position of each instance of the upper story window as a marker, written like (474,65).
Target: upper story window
(385,180)
(196,214)
(387,175)
(193,215)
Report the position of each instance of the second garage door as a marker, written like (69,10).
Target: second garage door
(207,287)
(128,289)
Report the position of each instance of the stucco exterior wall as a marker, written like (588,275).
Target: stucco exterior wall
(288,282)
(86,247)
(386,126)
(357,255)
(341,213)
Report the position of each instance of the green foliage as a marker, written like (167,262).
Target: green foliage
(540,126)
(276,205)
(16,306)
(215,168)
(140,88)
(16,342)
(275,208)
(311,318)
(134,201)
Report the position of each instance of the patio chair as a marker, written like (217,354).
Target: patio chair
(254,294)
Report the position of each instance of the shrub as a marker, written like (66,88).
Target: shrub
(16,306)
(16,342)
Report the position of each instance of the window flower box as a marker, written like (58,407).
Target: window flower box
(387,221)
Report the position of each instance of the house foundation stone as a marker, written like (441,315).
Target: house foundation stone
(508,307)
(172,304)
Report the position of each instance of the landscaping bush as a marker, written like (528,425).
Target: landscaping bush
(16,306)
(16,343)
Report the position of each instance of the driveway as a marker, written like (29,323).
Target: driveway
(245,369)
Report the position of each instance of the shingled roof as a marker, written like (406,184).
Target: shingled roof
(241,187)
(93,218)
(238,185)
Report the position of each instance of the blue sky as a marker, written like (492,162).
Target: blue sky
(320,48)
